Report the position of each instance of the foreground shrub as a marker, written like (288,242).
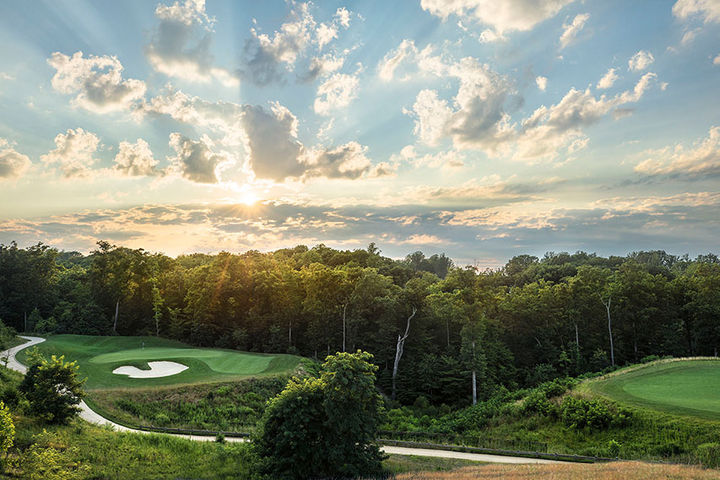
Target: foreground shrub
(52,387)
(324,427)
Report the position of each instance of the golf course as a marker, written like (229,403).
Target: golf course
(98,357)
(681,387)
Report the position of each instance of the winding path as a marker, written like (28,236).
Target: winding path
(89,415)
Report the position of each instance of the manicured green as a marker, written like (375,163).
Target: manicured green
(99,356)
(687,387)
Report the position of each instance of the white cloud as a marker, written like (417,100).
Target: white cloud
(608,80)
(336,92)
(640,61)
(477,120)
(194,159)
(136,159)
(571,30)
(394,58)
(324,65)
(73,152)
(549,130)
(345,161)
(541,82)
(220,117)
(689,36)
(505,16)
(97,81)
(716,60)
(12,163)
(6,76)
(706,10)
(180,46)
(698,162)
(270,56)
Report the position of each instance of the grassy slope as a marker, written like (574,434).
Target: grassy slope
(99,356)
(687,387)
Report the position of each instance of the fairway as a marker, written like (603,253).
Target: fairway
(99,356)
(685,387)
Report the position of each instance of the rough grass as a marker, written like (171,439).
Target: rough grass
(607,471)
(99,356)
(233,406)
(397,464)
(687,387)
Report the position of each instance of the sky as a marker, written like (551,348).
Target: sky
(482,129)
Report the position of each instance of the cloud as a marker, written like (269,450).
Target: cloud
(180,45)
(571,30)
(551,129)
(640,61)
(270,56)
(697,163)
(272,142)
(74,152)
(477,118)
(12,163)
(194,159)
(336,92)
(97,81)
(346,161)
(541,83)
(716,60)
(706,10)
(136,159)
(608,80)
(220,117)
(276,153)
(506,16)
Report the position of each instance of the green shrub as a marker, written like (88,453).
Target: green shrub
(537,403)
(613,448)
(597,414)
(708,454)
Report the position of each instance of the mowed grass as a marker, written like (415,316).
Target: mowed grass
(99,356)
(683,387)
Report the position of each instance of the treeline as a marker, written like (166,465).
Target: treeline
(526,323)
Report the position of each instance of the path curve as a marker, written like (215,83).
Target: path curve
(89,415)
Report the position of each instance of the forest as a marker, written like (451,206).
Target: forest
(448,333)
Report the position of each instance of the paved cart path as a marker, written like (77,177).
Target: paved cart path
(89,415)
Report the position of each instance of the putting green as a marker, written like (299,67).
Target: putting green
(99,356)
(685,387)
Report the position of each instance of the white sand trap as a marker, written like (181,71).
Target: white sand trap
(157,370)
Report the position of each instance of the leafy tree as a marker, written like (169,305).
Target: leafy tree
(52,387)
(7,430)
(324,427)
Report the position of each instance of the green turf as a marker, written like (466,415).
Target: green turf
(688,387)
(99,356)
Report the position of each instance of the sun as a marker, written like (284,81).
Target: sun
(248,198)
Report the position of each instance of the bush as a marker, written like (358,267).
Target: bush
(537,403)
(708,454)
(7,430)
(324,427)
(614,448)
(52,388)
(598,414)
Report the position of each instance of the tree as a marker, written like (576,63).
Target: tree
(52,387)
(7,431)
(471,351)
(324,427)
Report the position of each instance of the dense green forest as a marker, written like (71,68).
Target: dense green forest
(436,325)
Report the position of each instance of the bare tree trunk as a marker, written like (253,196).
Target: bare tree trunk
(447,329)
(157,326)
(612,348)
(117,311)
(290,333)
(344,325)
(474,377)
(577,338)
(399,348)
(26,321)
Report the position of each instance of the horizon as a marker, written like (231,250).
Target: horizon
(185,126)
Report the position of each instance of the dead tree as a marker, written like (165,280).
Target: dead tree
(607,308)
(117,311)
(399,348)
(474,376)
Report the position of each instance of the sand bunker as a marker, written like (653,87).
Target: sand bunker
(157,370)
